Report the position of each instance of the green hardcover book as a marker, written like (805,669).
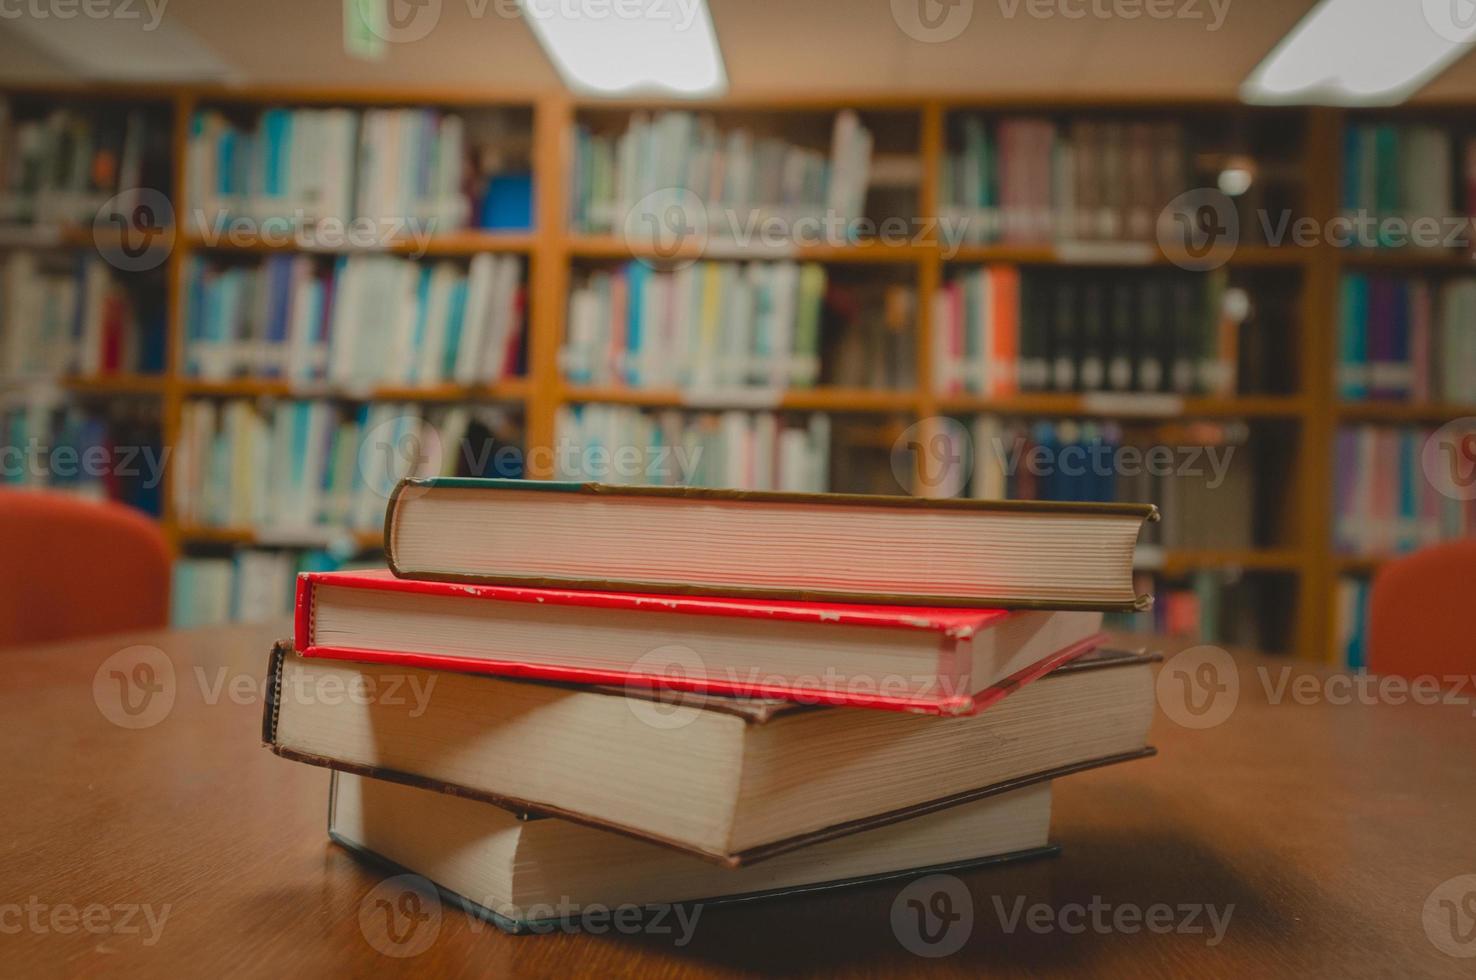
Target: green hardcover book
(854,547)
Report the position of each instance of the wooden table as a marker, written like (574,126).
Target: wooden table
(1327,826)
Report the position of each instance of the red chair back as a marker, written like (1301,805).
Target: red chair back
(1420,614)
(74,568)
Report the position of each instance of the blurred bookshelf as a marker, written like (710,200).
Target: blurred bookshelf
(547,156)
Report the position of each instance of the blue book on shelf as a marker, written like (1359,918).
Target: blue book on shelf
(422,309)
(276,125)
(1357,653)
(225,163)
(1399,341)
(1353,360)
(1405,537)
(279,301)
(636,274)
(508,204)
(301,451)
(456,314)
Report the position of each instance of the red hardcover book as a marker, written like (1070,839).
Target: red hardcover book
(944,661)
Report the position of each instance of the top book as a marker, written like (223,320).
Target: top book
(823,547)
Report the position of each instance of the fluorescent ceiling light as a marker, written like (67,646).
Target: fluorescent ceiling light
(625,47)
(1363,52)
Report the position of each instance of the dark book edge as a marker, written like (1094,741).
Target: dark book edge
(520,927)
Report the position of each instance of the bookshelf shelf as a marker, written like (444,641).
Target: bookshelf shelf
(515,389)
(1404,258)
(1373,411)
(1250,559)
(613,247)
(1361,564)
(1118,254)
(288,537)
(455,244)
(120,384)
(858,400)
(1127,405)
(80,236)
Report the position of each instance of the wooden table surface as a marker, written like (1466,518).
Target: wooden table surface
(180,847)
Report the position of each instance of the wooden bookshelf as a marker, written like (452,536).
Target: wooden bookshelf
(553,252)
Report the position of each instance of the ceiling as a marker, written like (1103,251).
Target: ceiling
(768,46)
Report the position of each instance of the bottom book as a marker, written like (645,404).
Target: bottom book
(528,873)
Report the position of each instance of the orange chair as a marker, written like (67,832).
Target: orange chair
(1420,609)
(72,568)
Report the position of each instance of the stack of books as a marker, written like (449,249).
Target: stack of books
(561,696)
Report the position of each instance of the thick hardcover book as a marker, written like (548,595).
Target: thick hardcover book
(735,780)
(825,547)
(942,661)
(530,874)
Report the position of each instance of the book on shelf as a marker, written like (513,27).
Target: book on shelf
(1205,489)
(937,661)
(253,585)
(407,171)
(1223,606)
(362,320)
(1406,338)
(705,325)
(999,330)
(1029,179)
(311,465)
(62,167)
(808,773)
(844,547)
(754,450)
(1383,500)
(1402,173)
(71,315)
(1350,621)
(529,873)
(721,326)
(629,182)
(114,454)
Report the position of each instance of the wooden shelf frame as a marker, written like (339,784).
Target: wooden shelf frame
(553,252)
